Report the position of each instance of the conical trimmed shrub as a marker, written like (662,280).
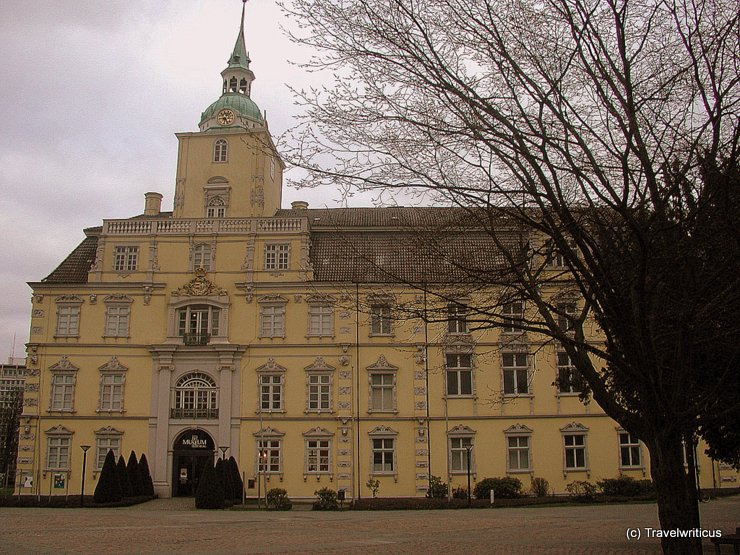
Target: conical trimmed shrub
(123,477)
(210,493)
(134,475)
(223,473)
(108,489)
(147,486)
(236,480)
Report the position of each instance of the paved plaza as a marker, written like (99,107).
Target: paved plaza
(165,527)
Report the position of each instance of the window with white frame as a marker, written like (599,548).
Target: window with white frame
(383,452)
(575,451)
(318,455)
(270,455)
(457,318)
(271,392)
(111,391)
(319,392)
(198,323)
(459,453)
(512,314)
(202,256)
(629,451)
(380,320)
(277,256)
(117,318)
(554,256)
(566,313)
(68,319)
(382,391)
(62,391)
(321,319)
(517,459)
(272,320)
(216,207)
(195,396)
(459,374)
(220,150)
(58,451)
(106,440)
(515,366)
(125,259)
(569,379)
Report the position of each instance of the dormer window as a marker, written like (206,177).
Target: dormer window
(220,150)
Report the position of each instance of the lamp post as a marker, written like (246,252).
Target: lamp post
(468,449)
(84,463)
(223,449)
(263,456)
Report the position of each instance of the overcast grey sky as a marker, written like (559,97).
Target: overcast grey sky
(91,95)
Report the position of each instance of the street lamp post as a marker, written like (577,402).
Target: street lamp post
(84,463)
(468,449)
(223,449)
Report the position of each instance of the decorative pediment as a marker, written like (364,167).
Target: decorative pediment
(318,432)
(518,429)
(108,431)
(574,427)
(274,299)
(382,364)
(113,366)
(320,299)
(59,430)
(69,299)
(199,286)
(382,431)
(319,365)
(268,432)
(271,366)
(64,365)
(118,299)
(461,430)
(381,299)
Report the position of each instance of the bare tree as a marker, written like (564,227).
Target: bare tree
(601,132)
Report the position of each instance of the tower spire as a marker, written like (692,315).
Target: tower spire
(239,56)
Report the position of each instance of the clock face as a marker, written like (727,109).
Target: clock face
(225,117)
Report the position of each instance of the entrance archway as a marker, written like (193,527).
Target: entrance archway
(192,450)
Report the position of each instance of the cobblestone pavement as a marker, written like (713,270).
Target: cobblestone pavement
(166,527)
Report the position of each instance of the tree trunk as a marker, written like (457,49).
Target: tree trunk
(676,491)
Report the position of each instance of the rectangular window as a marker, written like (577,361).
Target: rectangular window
(198,323)
(518,453)
(381,392)
(459,373)
(320,320)
(269,455)
(512,315)
(117,320)
(383,455)
(62,391)
(111,392)
(554,257)
(271,392)
(457,318)
(516,373)
(68,320)
(459,453)
(125,259)
(57,452)
(202,257)
(566,313)
(380,320)
(272,321)
(276,256)
(569,379)
(103,444)
(319,392)
(629,450)
(575,451)
(317,455)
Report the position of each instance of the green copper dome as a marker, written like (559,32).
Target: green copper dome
(242,105)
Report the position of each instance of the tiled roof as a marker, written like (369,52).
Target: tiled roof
(394,216)
(75,267)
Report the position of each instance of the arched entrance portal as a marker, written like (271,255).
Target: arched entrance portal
(191,451)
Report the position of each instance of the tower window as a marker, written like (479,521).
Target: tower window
(243,86)
(232,84)
(220,150)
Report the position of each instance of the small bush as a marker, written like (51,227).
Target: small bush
(122,474)
(459,493)
(278,500)
(503,488)
(373,486)
(236,480)
(624,486)
(437,488)
(146,477)
(540,487)
(108,489)
(581,490)
(327,500)
(210,492)
(134,475)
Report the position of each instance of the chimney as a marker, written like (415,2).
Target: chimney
(152,204)
(299,205)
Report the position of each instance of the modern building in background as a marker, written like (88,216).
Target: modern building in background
(292,340)
(12,380)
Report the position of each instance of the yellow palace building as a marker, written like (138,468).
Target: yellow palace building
(233,325)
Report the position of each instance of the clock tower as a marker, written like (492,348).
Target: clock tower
(230,167)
